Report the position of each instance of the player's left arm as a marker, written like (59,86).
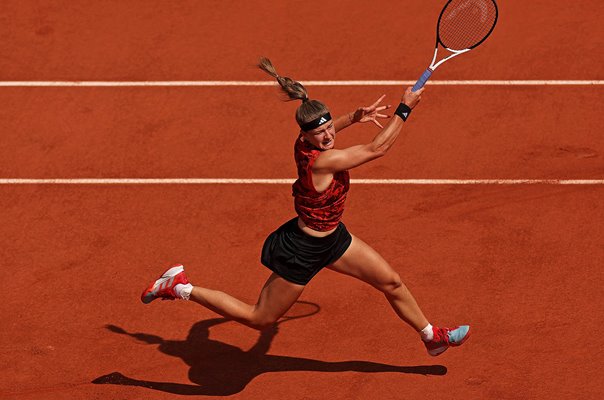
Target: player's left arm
(362,114)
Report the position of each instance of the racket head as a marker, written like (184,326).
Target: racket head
(465,24)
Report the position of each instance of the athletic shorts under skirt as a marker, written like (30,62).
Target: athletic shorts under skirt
(297,257)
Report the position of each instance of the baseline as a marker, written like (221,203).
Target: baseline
(306,83)
(236,181)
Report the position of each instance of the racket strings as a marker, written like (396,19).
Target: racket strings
(465,23)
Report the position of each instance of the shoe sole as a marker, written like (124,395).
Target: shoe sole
(148,296)
(440,350)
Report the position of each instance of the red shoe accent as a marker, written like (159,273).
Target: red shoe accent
(447,337)
(163,287)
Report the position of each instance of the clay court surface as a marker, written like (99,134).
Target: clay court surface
(521,263)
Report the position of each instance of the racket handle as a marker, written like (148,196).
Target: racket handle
(422,81)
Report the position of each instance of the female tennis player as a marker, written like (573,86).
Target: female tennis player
(316,238)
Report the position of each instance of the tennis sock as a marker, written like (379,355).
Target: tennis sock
(183,291)
(427,334)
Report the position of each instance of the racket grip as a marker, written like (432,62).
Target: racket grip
(422,80)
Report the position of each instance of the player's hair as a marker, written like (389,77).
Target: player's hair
(309,110)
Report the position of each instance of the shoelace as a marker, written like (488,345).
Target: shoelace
(441,335)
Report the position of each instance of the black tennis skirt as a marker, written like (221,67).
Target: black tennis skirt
(297,257)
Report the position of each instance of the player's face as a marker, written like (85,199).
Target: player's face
(322,137)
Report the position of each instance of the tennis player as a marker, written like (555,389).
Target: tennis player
(316,238)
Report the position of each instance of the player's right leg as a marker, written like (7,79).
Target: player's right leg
(276,297)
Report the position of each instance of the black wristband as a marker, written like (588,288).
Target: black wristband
(403,111)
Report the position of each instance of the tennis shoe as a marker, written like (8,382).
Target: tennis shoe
(163,287)
(447,337)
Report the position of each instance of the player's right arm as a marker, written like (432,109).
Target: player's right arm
(332,161)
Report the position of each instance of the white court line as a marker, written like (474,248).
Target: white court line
(234,181)
(307,83)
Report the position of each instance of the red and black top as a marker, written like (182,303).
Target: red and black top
(319,211)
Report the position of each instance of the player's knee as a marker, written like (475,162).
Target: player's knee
(262,322)
(392,285)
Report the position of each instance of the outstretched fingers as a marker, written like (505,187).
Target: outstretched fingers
(372,112)
(378,101)
(377,123)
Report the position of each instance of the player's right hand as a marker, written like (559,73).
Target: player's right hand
(411,98)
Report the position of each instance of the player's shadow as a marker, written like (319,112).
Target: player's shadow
(220,369)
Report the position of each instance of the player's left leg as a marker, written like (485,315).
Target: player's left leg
(362,262)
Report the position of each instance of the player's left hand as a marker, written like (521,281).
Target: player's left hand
(371,113)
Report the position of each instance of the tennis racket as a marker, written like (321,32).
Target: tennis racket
(462,26)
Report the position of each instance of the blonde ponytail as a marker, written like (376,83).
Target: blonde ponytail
(309,110)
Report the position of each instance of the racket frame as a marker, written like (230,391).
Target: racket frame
(426,75)
(433,66)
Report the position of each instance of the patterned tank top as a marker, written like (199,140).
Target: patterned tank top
(319,211)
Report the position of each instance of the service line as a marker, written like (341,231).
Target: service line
(307,83)
(289,181)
